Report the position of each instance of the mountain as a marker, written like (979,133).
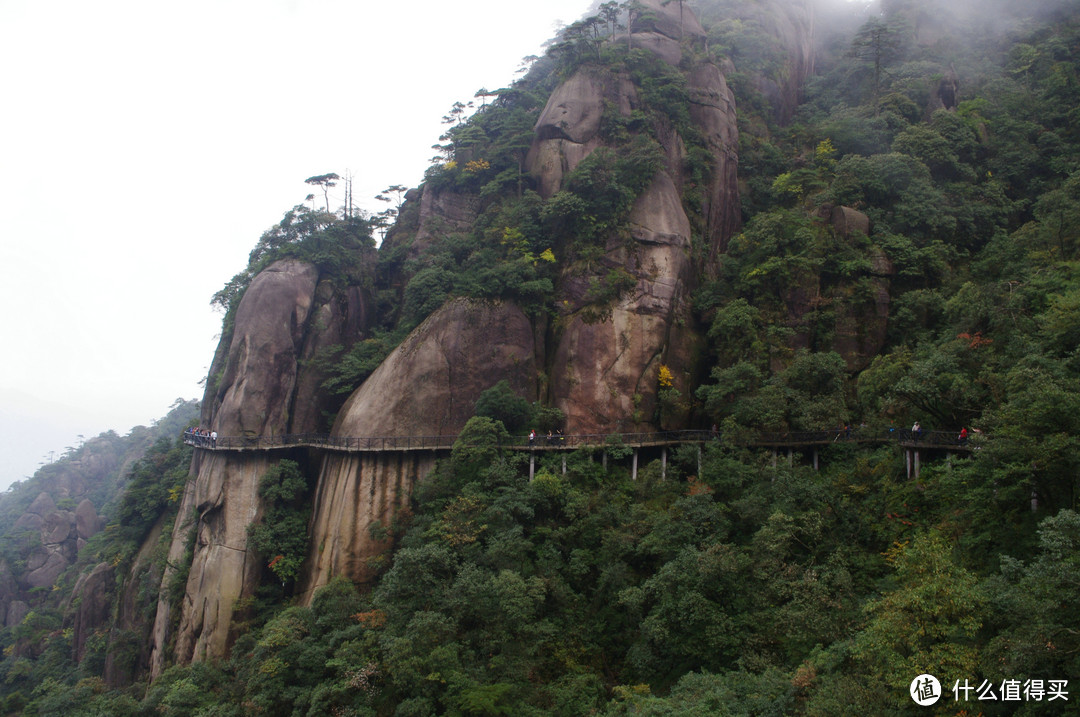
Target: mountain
(787,226)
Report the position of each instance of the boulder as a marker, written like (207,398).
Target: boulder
(569,126)
(428,386)
(847,221)
(256,391)
(87,522)
(50,565)
(59,526)
(42,505)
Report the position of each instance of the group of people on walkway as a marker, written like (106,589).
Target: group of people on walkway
(200,437)
(961,437)
(553,437)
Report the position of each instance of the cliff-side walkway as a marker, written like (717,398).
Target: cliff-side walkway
(944,440)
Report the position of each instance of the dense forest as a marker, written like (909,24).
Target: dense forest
(726,583)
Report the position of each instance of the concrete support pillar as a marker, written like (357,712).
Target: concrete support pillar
(815,459)
(916,464)
(774,459)
(532,465)
(663,463)
(633,470)
(790,460)
(564,464)
(907,461)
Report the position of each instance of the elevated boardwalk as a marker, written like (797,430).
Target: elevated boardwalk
(790,441)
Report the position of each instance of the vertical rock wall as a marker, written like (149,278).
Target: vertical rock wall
(357,492)
(428,386)
(218,505)
(604,374)
(253,396)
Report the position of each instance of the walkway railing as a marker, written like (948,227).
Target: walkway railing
(905,437)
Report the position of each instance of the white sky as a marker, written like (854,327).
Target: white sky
(145,146)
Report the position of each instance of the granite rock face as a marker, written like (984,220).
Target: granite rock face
(789,27)
(256,389)
(428,385)
(92,598)
(269,385)
(224,500)
(254,397)
(604,372)
(356,494)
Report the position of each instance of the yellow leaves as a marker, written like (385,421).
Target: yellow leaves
(664,377)
(895,551)
(476,166)
(825,153)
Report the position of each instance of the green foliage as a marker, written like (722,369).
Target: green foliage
(348,369)
(927,624)
(281,536)
(336,245)
(736,583)
(500,403)
(598,194)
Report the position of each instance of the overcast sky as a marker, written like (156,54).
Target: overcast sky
(147,145)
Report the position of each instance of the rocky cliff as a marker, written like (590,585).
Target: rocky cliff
(599,363)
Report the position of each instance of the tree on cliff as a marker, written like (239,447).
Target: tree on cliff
(325,181)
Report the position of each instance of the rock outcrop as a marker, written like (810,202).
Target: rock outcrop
(858,329)
(787,27)
(62,533)
(224,499)
(256,390)
(569,126)
(356,502)
(604,373)
(92,601)
(428,386)
(254,396)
